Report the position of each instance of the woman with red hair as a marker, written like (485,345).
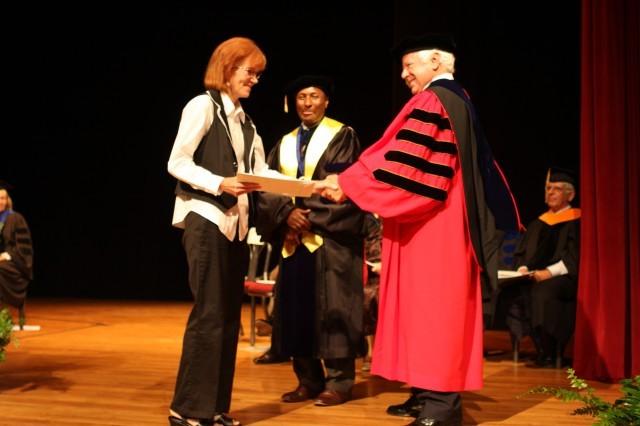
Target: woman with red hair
(216,139)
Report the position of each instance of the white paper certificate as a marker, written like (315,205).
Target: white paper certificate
(282,184)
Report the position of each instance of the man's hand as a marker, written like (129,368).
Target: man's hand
(230,185)
(298,221)
(330,188)
(541,275)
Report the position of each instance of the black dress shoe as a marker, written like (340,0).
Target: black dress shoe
(181,421)
(330,397)
(425,421)
(410,408)
(270,358)
(543,361)
(301,393)
(454,420)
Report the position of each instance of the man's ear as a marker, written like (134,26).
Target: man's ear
(435,60)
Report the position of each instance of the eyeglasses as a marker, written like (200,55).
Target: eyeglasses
(250,72)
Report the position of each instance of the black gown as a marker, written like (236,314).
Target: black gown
(551,305)
(319,296)
(17,273)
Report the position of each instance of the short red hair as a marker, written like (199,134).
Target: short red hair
(229,54)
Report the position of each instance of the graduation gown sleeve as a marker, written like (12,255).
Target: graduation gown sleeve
(342,222)
(408,173)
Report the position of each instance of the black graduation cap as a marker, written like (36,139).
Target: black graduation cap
(440,41)
(322,82)
(560,174)
(5,185)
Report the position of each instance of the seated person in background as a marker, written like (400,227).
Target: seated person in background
(550,250)
(16,254)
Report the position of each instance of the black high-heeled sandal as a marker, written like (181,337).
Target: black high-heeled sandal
(179,421)
(223,419)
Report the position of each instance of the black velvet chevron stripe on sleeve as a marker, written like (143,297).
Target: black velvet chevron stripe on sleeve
(410,185)
(419,163)
(431,118)
(428,141)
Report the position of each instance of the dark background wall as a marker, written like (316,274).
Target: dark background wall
(94,98)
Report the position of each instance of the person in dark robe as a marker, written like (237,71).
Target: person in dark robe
(319,291)
(550,251)
(16,252)
(441,196)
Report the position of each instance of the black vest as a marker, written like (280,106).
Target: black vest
(215,153)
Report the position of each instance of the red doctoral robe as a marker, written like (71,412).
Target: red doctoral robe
(430,331)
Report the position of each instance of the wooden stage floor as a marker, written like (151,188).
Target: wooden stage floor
(114,363)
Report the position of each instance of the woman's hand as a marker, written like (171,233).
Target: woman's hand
(232,186)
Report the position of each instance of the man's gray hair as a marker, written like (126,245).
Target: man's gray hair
(446,59)
(568,187)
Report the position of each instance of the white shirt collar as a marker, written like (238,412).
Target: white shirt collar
(231,109)
(443,76)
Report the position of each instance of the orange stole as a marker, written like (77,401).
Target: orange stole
(551,218)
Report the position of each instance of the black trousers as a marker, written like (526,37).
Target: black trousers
(217,268)
(553,306)
(442,406)
(341,373)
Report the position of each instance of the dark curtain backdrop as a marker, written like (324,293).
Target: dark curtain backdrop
(93,95)
(607,339)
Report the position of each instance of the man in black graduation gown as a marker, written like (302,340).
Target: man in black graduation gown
(319,291)
(550,250)
(16,253)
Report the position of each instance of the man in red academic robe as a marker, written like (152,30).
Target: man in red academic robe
(433,180)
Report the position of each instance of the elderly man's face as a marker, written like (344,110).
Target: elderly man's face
(558,195)
(311,104)
(417,72)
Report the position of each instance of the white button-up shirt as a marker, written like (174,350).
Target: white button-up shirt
(559,268)
(197,118)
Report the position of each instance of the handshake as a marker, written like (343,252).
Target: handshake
(329,188)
